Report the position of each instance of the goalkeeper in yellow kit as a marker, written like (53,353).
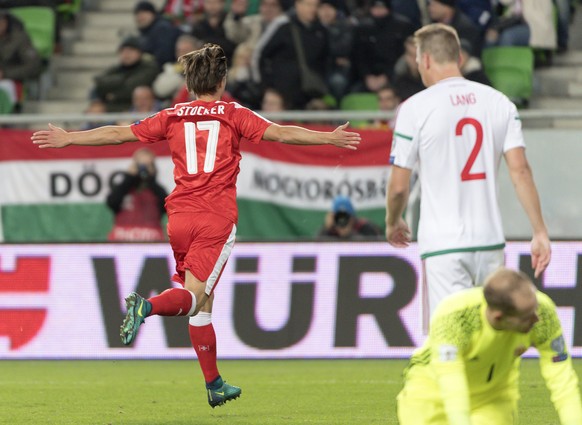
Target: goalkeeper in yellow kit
(467,372)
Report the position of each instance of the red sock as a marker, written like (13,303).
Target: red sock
(203,340)
(173,302)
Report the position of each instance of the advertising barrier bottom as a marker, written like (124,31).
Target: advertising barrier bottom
(274,300)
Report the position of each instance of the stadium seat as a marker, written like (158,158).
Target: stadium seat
(359,102)
(39,23)
(69,9)
(510,70)
(6,105)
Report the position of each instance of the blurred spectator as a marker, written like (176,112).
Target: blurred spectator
(341,40)
(564,8)
(240,83)
(237,10)
(408,9)
(251,7)
(184,95)
(447,12)
(539,16)
(115,86)
(95,107)
(279,60)
(144,100)
(478,11)
(407,80)
(379,42)
(508,27)
(183,13)
(138,201)
(342,223)
(388,101)
(471,66)
(211,28)
(19,60)
(171,79)
(268,32)
(248,29)
(273,101)
(158,34)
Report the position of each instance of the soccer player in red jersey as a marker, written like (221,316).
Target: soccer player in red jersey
(204,138)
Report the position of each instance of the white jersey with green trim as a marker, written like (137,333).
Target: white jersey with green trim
(457,131)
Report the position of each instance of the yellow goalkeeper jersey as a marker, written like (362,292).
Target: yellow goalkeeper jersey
(466,363)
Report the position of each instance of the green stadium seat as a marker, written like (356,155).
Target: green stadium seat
(329,101)
(359,102)
(69,9)
(39,23)
(6,105)
(510,70)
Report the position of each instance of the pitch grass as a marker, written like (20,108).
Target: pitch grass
(330,392)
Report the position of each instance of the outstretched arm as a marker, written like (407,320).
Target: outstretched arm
(295,135)
(56,137)
(522,178)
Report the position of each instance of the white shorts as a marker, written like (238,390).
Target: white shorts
(446,274)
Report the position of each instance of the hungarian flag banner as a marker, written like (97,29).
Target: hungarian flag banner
(284,191)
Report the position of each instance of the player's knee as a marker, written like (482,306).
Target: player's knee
(200,302)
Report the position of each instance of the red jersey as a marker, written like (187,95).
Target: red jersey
(204,139)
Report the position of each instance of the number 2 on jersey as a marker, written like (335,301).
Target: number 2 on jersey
(466,173)
(213,127)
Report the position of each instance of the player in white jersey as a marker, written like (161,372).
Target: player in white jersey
(457,131)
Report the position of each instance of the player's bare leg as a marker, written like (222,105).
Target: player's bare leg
(203,340)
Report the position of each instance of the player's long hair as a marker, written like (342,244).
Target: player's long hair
(204,69)
(440,41)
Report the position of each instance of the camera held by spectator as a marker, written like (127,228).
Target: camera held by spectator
(341,222)
(138,201)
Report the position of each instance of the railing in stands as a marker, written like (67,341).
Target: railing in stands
(530,116)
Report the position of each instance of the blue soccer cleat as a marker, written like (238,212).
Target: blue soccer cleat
(222,393)
(138,309)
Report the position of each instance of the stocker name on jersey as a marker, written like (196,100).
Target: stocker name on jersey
(200,110)
(463,99)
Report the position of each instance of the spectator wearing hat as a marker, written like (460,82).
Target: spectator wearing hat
(446,12)
(342,223)
(341,39)
(157,33)
(379,42)
(135,68)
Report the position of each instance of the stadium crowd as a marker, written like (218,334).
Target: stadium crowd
(309,54)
